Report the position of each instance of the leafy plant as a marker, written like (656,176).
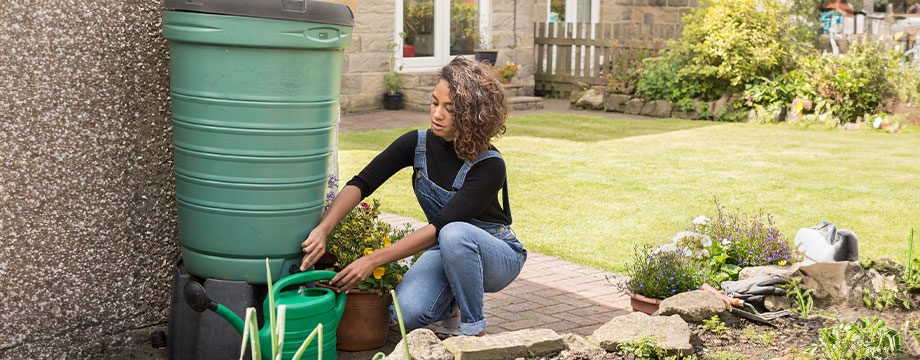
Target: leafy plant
(623,71)
(749,240)
(507,72)
(642,347)
(869,338)
(714,325)
(911,279)
(361,233)
(853,85)
(800,296)
(391,78)
(884,299)
(765,339)
(659,274)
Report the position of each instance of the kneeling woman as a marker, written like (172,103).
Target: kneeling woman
(457,174)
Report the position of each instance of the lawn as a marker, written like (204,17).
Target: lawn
(589,188)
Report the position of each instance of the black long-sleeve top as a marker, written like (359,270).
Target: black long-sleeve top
(476,199)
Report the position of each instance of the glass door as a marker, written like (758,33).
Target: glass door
(437,30)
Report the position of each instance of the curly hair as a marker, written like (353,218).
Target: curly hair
(480,106)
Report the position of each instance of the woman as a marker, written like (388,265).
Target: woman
(468,243)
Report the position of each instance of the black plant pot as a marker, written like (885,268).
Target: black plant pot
(392,101)
(487,56)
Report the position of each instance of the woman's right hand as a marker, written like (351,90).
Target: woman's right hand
(313,247)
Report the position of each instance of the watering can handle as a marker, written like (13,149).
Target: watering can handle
(308,276)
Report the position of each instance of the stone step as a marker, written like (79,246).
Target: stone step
(526,102)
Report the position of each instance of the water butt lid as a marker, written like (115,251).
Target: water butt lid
(297,10)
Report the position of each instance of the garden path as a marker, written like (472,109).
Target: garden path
(550,292)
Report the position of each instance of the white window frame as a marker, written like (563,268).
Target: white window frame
(441,36)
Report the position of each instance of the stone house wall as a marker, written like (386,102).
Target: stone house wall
(362,77)
(658,17)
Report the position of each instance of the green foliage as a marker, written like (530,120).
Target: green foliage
(782,89)
(623,71)
(642,347)
(765,338)
(800,296)
(714,325)
(749,240)
(391,78)
(359,234)
(911,279)
(727,355)
(804,26)
(853,85)
(869,338)
(725,45)
(659,274)
(887,298)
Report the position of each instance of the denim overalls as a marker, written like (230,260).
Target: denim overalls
(469,259)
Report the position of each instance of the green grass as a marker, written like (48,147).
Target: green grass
(588,188)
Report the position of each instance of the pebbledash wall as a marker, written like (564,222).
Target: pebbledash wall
(87,211)
(362,78)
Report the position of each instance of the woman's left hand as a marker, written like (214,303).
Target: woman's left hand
(353,274)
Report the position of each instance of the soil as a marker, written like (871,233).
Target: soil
(747,340)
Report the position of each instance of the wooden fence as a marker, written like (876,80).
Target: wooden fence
(568,56)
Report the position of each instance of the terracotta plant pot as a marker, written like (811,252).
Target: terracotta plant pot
(365,321)
(639,303)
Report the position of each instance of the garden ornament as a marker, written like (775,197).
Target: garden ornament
(824,243)
(305,308)
(753,290)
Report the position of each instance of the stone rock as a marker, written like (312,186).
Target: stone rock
(508,345)
(616,102)
(657,108)
(634,106)
(423,345)
(851,126)
(886,266)
(910,343)
(720,105)
(577,343)
(692,306)
(670,332)
(779,115)
(781,271)
(592,99)
(776,303)
(691,115)
(841,282)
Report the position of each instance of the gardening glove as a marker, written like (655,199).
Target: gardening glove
(755,288)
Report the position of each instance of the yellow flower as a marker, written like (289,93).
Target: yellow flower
(398,278)
(368,251)
(378,272)
(386,241)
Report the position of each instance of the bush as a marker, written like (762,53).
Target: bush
(659,274)
(725,45)
(623,71)
(748,240)
(853,85)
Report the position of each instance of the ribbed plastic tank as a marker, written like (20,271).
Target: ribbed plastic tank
(254,107)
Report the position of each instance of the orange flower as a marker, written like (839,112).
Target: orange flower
(378,272)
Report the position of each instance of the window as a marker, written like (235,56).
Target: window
(437,30)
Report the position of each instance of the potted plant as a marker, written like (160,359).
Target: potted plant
(392,99)
(484,50)
(507,72)
(657,273)
(366,317)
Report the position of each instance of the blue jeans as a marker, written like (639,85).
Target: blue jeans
(466,262)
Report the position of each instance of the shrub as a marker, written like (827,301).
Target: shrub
(725,45)
(853,85)
(749,240)
(659,274)
(623,71)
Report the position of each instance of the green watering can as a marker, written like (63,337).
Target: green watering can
(305,309)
